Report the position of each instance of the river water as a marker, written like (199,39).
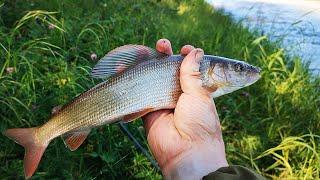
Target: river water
(295,23)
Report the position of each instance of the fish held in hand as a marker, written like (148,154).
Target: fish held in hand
(139,80)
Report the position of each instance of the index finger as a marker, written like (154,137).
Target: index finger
(186,49)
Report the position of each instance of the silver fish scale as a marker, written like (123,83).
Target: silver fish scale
(150,85)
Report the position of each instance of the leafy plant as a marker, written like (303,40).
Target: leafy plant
(45,60)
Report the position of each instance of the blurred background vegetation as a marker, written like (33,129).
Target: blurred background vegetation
(47,49)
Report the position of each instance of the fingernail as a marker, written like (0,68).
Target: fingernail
(163,41)
(199,55)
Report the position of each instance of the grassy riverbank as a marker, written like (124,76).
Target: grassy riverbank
(272,127)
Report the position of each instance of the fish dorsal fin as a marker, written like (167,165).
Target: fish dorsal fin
(121,58)
(74,139)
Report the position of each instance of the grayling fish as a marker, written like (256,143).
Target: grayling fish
(141,81)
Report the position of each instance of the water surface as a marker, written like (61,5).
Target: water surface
(296,23)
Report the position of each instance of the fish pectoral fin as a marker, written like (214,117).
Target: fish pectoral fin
(121,58)
(133,116)
(74,139)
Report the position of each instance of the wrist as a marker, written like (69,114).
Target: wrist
(195,163)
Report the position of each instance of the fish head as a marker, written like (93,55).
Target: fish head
(223,75)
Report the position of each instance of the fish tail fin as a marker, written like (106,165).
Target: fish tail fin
(34,149)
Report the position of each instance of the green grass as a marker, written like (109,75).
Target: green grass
(272,126)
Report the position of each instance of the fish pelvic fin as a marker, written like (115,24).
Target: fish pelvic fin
(74,139)
(33,148)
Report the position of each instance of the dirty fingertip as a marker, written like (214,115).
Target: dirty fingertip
(164,46)
(195,55)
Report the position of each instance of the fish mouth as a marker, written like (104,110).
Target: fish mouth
(259,70)
(254,74)
(253,78)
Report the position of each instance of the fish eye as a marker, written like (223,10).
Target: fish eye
(238,67)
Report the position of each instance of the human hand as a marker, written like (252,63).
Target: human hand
(187,142)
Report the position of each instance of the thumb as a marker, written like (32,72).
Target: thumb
(190,76)
(191,63)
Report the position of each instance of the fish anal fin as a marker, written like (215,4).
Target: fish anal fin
(122,58)
(74,139)
(133,116)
